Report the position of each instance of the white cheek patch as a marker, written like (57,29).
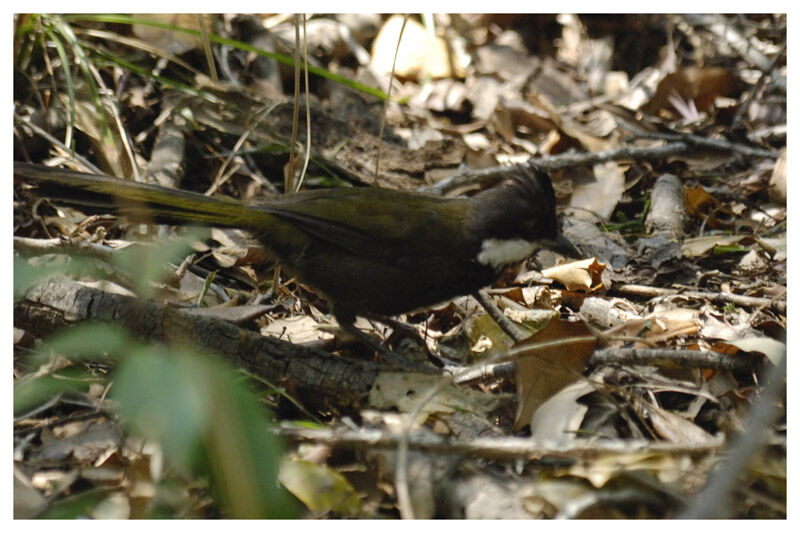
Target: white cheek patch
(499,252)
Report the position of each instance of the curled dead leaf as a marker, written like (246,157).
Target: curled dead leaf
(584,275)
(667,323)
(777,183)
(703,206)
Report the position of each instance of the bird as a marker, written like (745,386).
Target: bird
(370,252)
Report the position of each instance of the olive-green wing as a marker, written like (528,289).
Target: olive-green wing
(365,222)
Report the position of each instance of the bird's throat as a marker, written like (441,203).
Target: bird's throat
(498,253)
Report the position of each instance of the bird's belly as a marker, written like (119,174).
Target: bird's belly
(368,287)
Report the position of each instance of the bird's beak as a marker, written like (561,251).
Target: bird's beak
(563,246)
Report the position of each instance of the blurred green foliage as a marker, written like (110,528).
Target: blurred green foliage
(206,419)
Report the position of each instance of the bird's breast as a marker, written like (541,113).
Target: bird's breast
(498,253)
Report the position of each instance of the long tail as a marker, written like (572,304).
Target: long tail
(138,201)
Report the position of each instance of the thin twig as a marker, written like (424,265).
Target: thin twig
(715,297)
(498,448)
(248,131)
(756,88)
(25,122)
(484,373)
(497,315)
(388,98)
(708,142)
(633,153)
(212,67)
(669,358)
(401,472)
(289,178)
(307,157)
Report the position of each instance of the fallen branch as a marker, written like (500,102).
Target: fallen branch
(667,208)
(715,297)
(659,357)
(497,315)
(668,358)
(711,143)
(63,245)
(497,448)
(632,153)
(319,379)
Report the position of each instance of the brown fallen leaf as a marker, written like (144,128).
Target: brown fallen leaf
(702,206)
(543,371)
(700,85)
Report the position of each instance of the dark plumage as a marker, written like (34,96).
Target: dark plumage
(369,251)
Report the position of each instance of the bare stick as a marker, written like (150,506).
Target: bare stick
(634,153)
(710,143)
(498,448)
(669,358)
(715,297)
(497,315)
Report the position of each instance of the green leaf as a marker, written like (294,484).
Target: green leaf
(38,390)
(86,340)
(158,398)
(146,263)
(287,60)
(320,488)
(27,274)
(75,506)
(208,423)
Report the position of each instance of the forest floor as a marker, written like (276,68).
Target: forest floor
(646,380)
